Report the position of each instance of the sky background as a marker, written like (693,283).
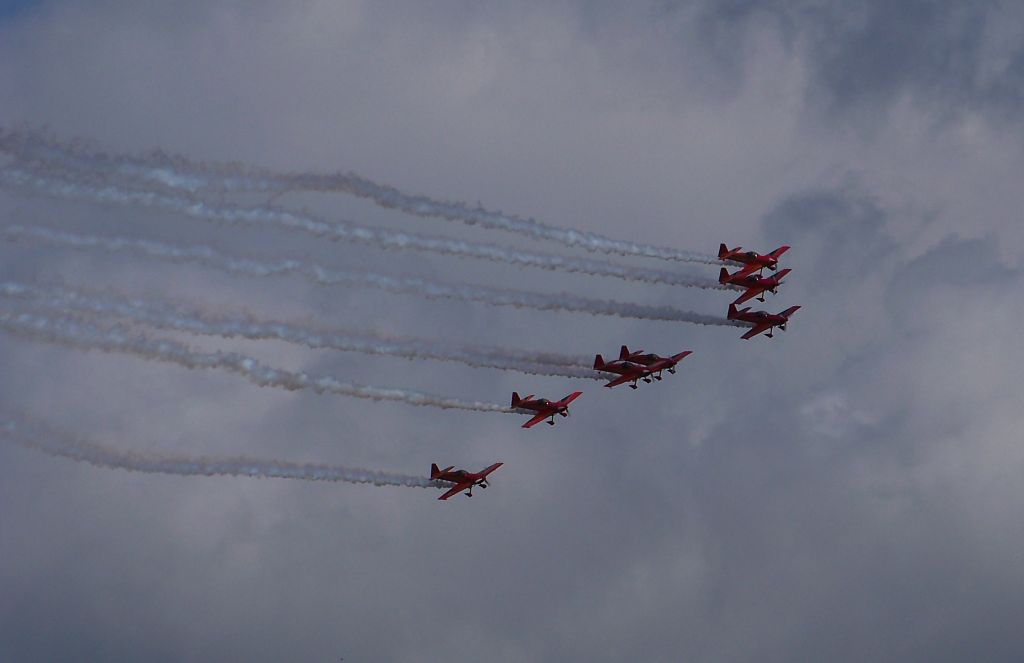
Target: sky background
(847,491)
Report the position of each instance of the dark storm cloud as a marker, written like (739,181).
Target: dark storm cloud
(844,227)
(949,58)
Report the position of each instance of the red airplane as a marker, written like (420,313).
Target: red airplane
(762,320)
(754,261)
(462,479)
(633,366)
(628,371)
(755,286)
(656,363)
(543,407)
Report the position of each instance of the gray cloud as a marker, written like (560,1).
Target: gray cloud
(948,59)
(846,491)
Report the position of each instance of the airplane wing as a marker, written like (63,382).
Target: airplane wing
(747,270)
(490,469)
(623,379)
(762,327)
(571,397)
(456,489)
(747,296)
(536,420)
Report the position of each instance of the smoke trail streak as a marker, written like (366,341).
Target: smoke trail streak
(178,318)
(179,172)
(400,285)
(88,337)
(47,439)
(391,240)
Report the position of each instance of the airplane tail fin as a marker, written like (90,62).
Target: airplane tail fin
(515,399)
(723,251)
(732,312)
(778,252)
(598,362)
(723,276)
(789,311)
(623,353)
(434,470)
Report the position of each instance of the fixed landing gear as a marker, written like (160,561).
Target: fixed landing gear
(633,386)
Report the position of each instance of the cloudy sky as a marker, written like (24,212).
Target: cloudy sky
(849,490)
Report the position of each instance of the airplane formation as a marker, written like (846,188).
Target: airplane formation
(635,366)
(42,165)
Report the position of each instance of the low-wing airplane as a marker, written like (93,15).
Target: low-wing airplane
(755,285)
(634,366)
(656,363)
(762,320)
(753,260)
(626,370)
(544,408)
(462,479)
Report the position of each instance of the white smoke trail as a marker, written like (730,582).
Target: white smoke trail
(400,285)
(38,436)
(89,337)
(179,172)
(177,317)
(338,230)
